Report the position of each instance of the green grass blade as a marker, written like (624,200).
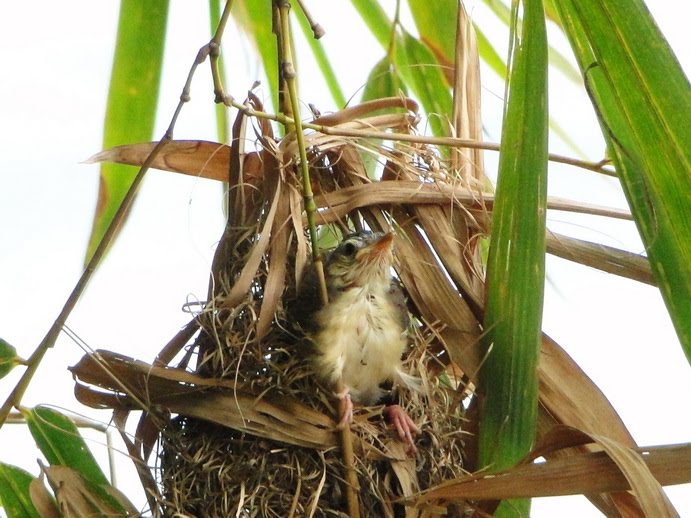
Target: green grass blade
(15,498)
(516,262)
(376,20)
(132,101)
(414,61)
(643,101)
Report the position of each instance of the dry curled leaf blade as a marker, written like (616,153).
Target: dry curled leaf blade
(126,384)
(192,157)
(615,468)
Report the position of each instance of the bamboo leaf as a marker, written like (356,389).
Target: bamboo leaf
(414,61)
(8,358)
(61,443)
(14,492)
(383,81)
(132,100)
(642,99)
(515,278)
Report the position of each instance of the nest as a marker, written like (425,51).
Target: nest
(208,470)
(244,427)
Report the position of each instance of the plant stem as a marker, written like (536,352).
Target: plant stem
(289,76)
(15,397)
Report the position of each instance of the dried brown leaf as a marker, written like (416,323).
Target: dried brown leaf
(603,257)
(78,497)
(360,110)
(616,468)
(142,386)
(192,157)
(42,499)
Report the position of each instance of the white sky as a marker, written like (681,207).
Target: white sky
(56,58)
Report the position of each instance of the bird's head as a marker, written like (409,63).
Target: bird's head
(360,259)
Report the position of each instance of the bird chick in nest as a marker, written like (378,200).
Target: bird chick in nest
(360,335)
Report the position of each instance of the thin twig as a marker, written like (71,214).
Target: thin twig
(317,29)
(597,167)
(289,76)
(15,397)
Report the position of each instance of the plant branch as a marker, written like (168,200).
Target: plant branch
(289,76)
(597,167)
(15,397)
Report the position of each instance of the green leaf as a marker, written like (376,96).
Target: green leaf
(61,443)
(14,492)
(376,20)
(643,100)
(516,262)
(132,101)
(421,71)
(383,81)
(8,358)
(415,62)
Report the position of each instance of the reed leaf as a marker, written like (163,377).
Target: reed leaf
(642,99)
(132,101)
(516,262)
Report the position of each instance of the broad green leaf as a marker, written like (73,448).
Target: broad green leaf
(323,62)
(61,443)
(383,81)
(132,101)
(14,492)
(516,262)
(643,101)
(8,358)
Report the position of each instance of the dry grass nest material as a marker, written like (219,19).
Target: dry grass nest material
(209,470)
(252,431)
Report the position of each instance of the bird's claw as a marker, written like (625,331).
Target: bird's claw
(404,425)
(346,410)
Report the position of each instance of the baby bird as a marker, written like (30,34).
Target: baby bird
(360,334)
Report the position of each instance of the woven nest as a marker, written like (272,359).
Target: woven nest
(244,427)
(207,470)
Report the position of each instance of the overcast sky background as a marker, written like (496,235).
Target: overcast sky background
(57,59)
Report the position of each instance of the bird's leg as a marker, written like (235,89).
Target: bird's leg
(404,425)
(346,409)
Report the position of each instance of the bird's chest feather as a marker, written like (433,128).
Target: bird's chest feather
(361,340)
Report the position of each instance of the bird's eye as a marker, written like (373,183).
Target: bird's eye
(349,249)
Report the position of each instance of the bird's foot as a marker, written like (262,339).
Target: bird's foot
(346,409)
(404,425)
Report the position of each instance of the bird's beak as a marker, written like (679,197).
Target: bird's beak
(375,250)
